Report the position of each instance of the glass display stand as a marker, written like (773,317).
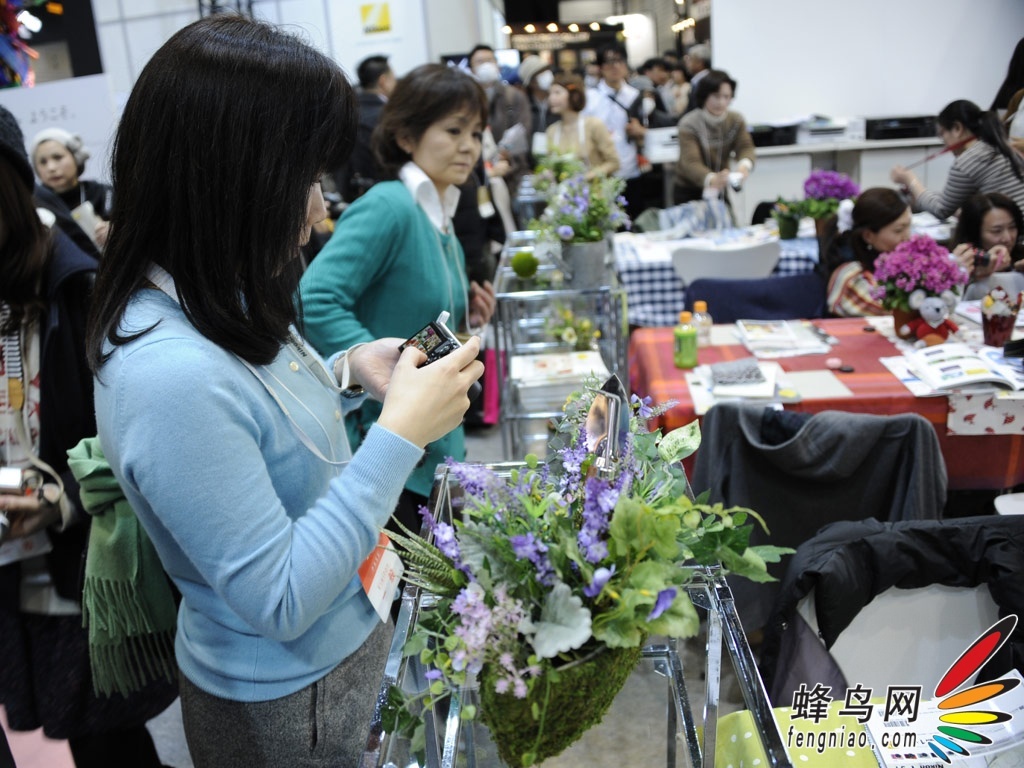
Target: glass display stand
(521,319)
(650,723)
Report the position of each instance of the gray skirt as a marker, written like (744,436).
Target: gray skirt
(323,725)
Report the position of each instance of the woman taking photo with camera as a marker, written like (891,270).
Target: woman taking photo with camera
(988,244)
(223,426)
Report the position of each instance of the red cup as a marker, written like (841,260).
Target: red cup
(997,329)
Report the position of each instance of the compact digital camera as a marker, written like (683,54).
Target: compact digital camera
(981,258)
(435,340)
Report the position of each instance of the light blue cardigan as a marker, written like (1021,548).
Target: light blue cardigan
(262,538)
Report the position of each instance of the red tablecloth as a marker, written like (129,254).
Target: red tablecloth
(975,461)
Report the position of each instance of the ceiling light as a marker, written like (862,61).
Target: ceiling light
(574,27)
(552,27)
(506,30)
(595,26)
(530,28)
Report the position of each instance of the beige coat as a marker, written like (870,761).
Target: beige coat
(598,151)
(705,147)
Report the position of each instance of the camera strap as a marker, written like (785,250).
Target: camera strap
(162,280)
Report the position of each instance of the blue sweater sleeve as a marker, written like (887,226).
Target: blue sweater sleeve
(214,473)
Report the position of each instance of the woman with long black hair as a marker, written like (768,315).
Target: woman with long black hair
(985,162)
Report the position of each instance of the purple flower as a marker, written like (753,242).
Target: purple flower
(598,502)
(433,674)
(917,263)
(643,407)
(601,577)
(823,185)
(526,547)
(565,232)
(662,603)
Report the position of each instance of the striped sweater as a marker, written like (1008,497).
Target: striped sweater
(981,168)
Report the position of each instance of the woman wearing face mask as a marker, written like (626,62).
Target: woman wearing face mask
(584,136)
(536,76)
(506,107)
(988,244)
(59,160)
(708,137)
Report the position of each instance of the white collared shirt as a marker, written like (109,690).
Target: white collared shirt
(599,104)
(425,194)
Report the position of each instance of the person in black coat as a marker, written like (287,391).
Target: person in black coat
(45,681)
(376,81)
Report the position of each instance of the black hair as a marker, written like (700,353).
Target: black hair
(612,49)
(984,125)
(972,216)
(710,83)
(573,83)
(1014,79)
(476,49)
(652,63)
(226,130)
(24,245)
(421,98)
(370,70)
(875,209)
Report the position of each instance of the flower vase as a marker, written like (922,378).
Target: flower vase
(788,228)
(820,228)
(587,264)
(900,318)
(576,701)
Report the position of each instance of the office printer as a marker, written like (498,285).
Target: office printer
(914,127)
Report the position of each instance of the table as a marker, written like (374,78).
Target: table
(993,462)
(656,294)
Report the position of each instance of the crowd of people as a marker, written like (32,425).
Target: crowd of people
(299,427)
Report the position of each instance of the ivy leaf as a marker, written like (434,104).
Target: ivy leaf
(564,623)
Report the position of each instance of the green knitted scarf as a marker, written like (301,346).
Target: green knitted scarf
(127,604)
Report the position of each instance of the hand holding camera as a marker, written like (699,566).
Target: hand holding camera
(427,396)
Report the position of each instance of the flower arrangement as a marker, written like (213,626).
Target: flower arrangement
(553,169)
(551,581)
(567,327)
(583,211)
(917,264)
(824,190)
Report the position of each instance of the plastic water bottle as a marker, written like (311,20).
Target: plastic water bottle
(702,322)
(684,353)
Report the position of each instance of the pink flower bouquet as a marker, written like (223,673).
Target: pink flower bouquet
(918,263)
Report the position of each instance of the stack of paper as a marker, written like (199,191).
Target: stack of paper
(782,338)
(544,381)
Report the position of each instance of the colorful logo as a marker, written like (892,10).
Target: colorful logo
(954,737)
(376,17)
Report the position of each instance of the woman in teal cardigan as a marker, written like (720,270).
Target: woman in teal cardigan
(394,263)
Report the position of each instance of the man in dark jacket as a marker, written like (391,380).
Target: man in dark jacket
(376,81)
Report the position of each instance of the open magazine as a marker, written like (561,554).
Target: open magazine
(953,367)
(782,338)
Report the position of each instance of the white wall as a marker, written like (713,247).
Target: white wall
(870,57)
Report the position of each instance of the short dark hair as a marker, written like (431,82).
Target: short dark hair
(612,49)
(236,121)
(972,215)
(421,98)
(573,83)
(654,62)
(476,49)
(710,83)
(370,70)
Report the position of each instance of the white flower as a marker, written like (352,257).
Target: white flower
(844,216)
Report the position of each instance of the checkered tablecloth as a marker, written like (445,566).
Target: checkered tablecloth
(656,294)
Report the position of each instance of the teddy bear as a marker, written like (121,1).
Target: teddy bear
(933,326)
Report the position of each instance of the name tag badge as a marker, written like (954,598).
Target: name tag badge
(379,575)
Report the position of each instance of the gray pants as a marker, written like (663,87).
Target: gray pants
(323,725)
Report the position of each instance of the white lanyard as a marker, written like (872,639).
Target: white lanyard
(162,280)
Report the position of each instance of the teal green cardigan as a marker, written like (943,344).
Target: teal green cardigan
(386,271)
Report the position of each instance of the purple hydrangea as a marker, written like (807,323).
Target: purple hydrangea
(917,263)
(823,185)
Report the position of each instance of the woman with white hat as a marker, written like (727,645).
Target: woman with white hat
(59,160)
